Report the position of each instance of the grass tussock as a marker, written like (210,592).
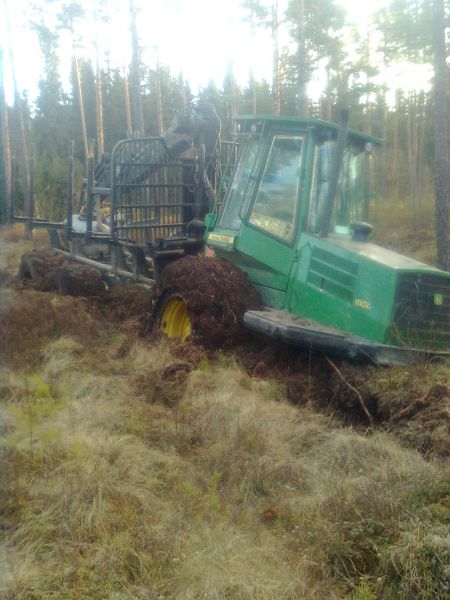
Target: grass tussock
(160,370)
(221,493)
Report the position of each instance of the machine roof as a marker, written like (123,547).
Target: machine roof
(308,122)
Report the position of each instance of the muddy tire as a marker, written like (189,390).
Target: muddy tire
(203,299)
(74,280)
(38,263)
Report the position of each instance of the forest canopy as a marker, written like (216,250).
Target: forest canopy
(325,55)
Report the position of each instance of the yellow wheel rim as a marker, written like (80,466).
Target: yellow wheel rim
(175,321)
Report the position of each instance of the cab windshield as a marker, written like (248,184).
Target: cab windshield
(241,186)
(354,192)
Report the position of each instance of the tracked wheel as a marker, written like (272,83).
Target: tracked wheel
(203,299)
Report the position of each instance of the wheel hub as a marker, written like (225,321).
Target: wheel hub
(175,322)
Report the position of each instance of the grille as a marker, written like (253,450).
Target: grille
(422,312)
(152,195)
(332,274)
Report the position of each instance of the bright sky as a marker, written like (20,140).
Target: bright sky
(198,38)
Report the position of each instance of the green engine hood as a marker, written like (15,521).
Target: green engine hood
(383,256)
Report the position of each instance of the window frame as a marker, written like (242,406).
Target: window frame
(349,149)
(245,201)
(265,163)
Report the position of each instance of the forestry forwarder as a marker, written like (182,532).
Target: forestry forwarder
(288,204)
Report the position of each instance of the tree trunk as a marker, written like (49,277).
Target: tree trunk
(368,110)
(99,109)
(420,145)
(159,99)
(253,92)
(384,148)
(81,103)
(135,78)
(325,107)
(412,162)
(127,104)
(395,176)
(441,158)
(301,62)
(414,146)
(30,208)
(23,147)
(6,142)
(18,105)
(276,60)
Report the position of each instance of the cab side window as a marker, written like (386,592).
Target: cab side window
(351,201)
(275,206)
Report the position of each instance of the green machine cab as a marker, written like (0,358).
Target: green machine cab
(294,218)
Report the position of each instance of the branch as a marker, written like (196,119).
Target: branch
(358,394)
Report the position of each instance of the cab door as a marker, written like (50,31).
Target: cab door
(266,243)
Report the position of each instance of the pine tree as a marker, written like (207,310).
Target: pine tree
(266,15)
(441,138)
(5,140)
(314,25)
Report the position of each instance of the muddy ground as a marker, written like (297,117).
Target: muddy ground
(413,403)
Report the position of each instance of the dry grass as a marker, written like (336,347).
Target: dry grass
(226,494)
(12,233)
(16,233)
(12,238)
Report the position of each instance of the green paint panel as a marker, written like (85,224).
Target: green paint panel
(351,301)
(262,259)
(271,259)
(332,273)
(271,297)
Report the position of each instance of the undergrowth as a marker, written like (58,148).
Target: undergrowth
(222,492)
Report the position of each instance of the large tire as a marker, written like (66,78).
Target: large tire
(50,271)
(74,280)
(214,295)
(37,264)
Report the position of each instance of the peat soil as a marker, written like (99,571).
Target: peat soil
(412,402)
